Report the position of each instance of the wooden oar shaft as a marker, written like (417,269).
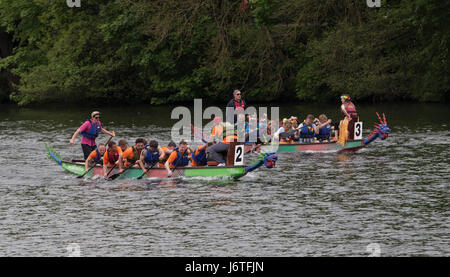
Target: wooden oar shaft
(143,173)
(110,138)
(81,176)
(111,169)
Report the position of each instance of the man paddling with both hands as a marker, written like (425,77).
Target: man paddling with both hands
(180,156)
(89,131)
(132,154)
(111,158)
(151,156)
(95,157)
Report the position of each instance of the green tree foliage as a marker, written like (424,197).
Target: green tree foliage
(167,51)
(399,51)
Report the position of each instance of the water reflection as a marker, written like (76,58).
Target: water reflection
(344,157)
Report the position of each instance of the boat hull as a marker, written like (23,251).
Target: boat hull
(350,146)
(134,173)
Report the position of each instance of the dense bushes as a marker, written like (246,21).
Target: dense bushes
(167,51)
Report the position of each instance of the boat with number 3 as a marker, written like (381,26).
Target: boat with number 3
(380,131)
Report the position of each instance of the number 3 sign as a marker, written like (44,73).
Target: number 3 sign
(358,130)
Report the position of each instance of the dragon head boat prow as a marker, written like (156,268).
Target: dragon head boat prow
(381,130)
(267,159)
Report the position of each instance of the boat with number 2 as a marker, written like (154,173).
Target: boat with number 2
(234,169)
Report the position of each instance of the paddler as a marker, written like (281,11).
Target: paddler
(111,157)
(90,130)
(123,144)
(252,128)
(217,130)
(220,149)
(285,128)
(132,154)
(307,129)
(167,151)
(323,129)
(151,156)
(294,122)
(199,157)
(245,128)
(348,110)
(180,156)
(95,157)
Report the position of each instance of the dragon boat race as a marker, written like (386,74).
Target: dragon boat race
(244,130)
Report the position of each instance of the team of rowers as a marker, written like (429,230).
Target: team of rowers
(146,155)
(149,155)
(311,130)
(316,130)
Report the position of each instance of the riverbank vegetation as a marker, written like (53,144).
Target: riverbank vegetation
(169,51)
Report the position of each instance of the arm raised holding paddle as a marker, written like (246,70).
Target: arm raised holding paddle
(89,131)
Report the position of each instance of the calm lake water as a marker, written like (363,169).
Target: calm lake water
(391,197)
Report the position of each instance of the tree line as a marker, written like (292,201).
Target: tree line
(169,51)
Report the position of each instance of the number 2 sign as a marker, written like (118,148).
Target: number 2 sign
(239,155)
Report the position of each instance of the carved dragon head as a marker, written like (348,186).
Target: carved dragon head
(381,129)
(270,160)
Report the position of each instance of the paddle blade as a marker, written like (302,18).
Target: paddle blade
(114,176)
(140,177)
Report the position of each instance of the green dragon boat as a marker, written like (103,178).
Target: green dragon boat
(234,171)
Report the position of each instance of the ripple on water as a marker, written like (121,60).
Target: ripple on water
(394,193)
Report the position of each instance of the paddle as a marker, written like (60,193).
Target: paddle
(81,176)
(286,134)
(113,177)
(175,167)
(198,133)
(111,170)
(140,177)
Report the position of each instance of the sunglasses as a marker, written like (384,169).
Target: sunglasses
(97,117)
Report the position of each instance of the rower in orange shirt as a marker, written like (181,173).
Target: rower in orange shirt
(217,130)
(220,149)
(199,157)
(95,157)
(181,156)
(111,157)
(132,154)
(167,151)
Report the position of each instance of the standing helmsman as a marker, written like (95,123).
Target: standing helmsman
(90,130)
(237,103)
